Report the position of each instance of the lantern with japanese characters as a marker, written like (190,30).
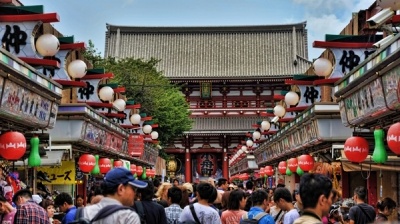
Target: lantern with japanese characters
(139,170)
(305,162)
(206,164)
(12,145)
(118,163)
(356,149)
(133,169)
(86,163)
(292,164)
(393,138)
(282,167)
(104,165)
(269,171)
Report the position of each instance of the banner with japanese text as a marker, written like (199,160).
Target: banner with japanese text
(64,174)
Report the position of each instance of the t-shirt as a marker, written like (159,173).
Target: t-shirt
(8,218)
(290,216)
(358,215)
(232,216)
(206,214)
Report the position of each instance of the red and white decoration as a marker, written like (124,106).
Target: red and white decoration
(356,149)
(12,145)
(305,162)
(86,163)
(393,138)
(282,167)
(104,165)
(292,164)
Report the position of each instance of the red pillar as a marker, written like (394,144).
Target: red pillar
(372,189)
(225,165)
(188,167)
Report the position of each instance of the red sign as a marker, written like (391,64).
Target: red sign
(135,145)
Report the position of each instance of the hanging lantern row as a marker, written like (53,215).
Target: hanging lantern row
(240,154)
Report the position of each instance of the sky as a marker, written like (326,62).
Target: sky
(86,19)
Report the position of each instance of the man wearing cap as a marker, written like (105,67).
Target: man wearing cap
(119,188)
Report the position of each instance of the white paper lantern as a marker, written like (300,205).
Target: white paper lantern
(256,135)
(135,119)
(147,129)
(279,111)
(244,148)
(240,152)
(249,143)
(265,125)
(106,93)
(77,69)
(322,67)
(292,98)
(119,104)
(47,45)
(154,135)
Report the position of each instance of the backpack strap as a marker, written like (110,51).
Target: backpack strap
(140,210)
(108,210)
(260,216)
(277,216)
(79,213)
(365,213)
(196,219)
(245,216)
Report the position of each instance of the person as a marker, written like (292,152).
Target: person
(27,210)
(202,208)
(316,196)
(162,191)
(173,211)
(362,212)
(79,201)
(236,203)
(283,200)
(153,212)
(385,209)
(64,202)
(175,182)
(260,201)
(185,196)
(48,205)
(7,211)
(334,215)
(119,188)
(224,202)
(249,186)
(297,201)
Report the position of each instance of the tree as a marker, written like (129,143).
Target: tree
(145,85)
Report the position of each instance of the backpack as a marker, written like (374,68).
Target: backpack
(197,221)
(140,211)
(245,218)
(103,213)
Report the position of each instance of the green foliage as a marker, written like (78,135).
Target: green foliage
(160,99)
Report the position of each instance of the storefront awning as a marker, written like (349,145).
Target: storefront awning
(392,164)
(52,158)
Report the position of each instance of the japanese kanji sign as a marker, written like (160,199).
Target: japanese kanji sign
(64,174)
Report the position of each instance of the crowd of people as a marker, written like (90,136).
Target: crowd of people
(123,199)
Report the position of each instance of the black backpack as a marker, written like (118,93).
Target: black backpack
(245,218)
(103,213)
(196,219)
(140,211)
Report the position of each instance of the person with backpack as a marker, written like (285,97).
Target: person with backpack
(149,210)
(362,212)
(235,206)
(283,200)
(257,213)
(119,189)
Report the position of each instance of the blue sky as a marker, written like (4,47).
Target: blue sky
(86,19)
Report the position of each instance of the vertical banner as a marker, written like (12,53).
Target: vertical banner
(135,145)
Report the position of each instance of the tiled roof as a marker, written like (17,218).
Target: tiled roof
(215,52)
(231,125)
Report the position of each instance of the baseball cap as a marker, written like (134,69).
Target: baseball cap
(121,175)
(188,187)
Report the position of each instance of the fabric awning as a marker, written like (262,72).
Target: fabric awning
(52,158)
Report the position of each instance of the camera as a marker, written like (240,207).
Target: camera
(381,17)
(384,41)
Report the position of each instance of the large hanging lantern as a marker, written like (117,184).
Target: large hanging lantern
(12,145)
(139,170)
(356,149)
(119,104)
(291,98)
(147,129)
(269,170)
(265,125)
(154,135)
(282,167)
(34,159)
(322,67)
(245,176)
(133,169)
(393,138)
(77,69)
(118,163)
(86,163)
(206,164)
(292,164)
(106,93)
(305,162)
(279,111)
(135,119)
(47,45)
(104,165)
(379,155)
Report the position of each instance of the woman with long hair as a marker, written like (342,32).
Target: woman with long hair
(236,204)
(385,209)
(162,192)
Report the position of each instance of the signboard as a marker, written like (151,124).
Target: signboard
(347,59)
(369,100)
(136,145)
(64,174)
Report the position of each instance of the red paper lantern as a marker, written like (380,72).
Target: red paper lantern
(245,176)
(282,167)
(262,171)
(12,145)
(292,164)
(139,170)
(206,164)
(86,163)
(269,170)
(133,169)
(356,149)
(104,165)
(305,162)
(118,163)
(393,138)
